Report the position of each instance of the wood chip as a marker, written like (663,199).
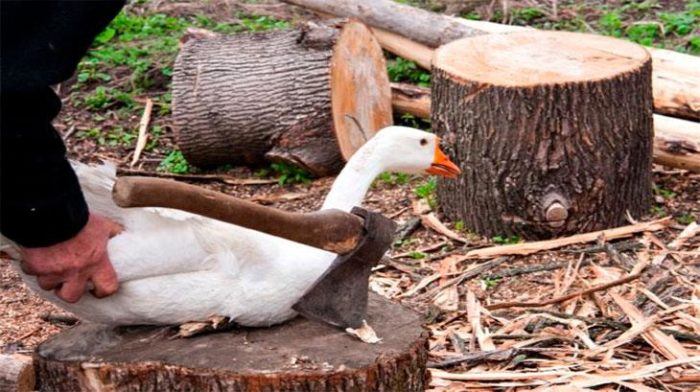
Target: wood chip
(143,127)
(534,247)
(431,221)
(474,314)
(448,297)
(666,345)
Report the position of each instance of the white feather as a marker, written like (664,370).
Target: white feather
(175,267)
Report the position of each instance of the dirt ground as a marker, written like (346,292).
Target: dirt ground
(583,336)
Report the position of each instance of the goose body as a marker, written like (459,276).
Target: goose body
(174,267)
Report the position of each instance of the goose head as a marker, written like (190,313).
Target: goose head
(396,149)
(411,151)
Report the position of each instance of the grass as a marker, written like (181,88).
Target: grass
(133,58)
(390,178)
(286,173)
(175,162)
(665,193)
(417,255)
(490,282)
(506,240)
(685,218)
(645,22)
(428,191)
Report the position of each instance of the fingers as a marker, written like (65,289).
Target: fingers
(49,282)
(104,279)
(72,289)
(28,268)
(115,229)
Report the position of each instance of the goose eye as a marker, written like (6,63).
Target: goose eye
(423,142)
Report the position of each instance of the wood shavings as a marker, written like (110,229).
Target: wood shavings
(365,333)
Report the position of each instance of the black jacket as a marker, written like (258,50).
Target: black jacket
(41,44)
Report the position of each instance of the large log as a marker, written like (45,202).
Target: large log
(676,80)
(310,96)
(676,141)
(299,355)
(16,373)
(552,130)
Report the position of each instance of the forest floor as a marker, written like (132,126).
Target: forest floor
(592,340)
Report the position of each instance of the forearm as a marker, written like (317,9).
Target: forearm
(41,202)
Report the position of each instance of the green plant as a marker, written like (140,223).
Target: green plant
(428,191)
(417,255)
(643,33)
(506,240)
(525,15)
(92,133)
(394,178)
(262,23)
(611,24)
(665,193)
(490,282)
(175,162)
(402,70)
(681,23)
(658,211)
(409,120)
(685,218)
(154,138)
(459,225)
(290,174)
(102,97)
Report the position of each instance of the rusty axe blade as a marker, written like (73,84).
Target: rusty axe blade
(339,296)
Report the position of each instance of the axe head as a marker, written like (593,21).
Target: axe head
(339,296)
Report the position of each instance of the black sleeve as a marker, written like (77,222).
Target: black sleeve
(41,44)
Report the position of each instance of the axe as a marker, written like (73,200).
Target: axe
(360,238)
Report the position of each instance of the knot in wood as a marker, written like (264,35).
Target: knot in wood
(556,214)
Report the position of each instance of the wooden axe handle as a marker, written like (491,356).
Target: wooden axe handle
(331,230)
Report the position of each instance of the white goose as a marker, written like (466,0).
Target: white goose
(176,267)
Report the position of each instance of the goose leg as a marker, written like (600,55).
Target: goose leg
(214,323)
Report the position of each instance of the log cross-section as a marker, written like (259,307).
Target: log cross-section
(553,131)
(308,96)
(297,356)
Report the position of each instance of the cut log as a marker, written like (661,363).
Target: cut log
(552,131)
(16,373)
(308,97)
(676,141)
(299,355)
(676,81)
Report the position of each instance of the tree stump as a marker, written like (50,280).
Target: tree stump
(16,373)
(552,130)
(310,96)
(299,355)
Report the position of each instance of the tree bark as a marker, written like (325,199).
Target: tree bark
(16,373)
(552,143)
(676,81)
(423,26)
(676,141)
(299,355)
(248,98)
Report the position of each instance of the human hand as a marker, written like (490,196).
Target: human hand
(68,266)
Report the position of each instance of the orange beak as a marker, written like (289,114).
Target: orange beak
(442,165)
